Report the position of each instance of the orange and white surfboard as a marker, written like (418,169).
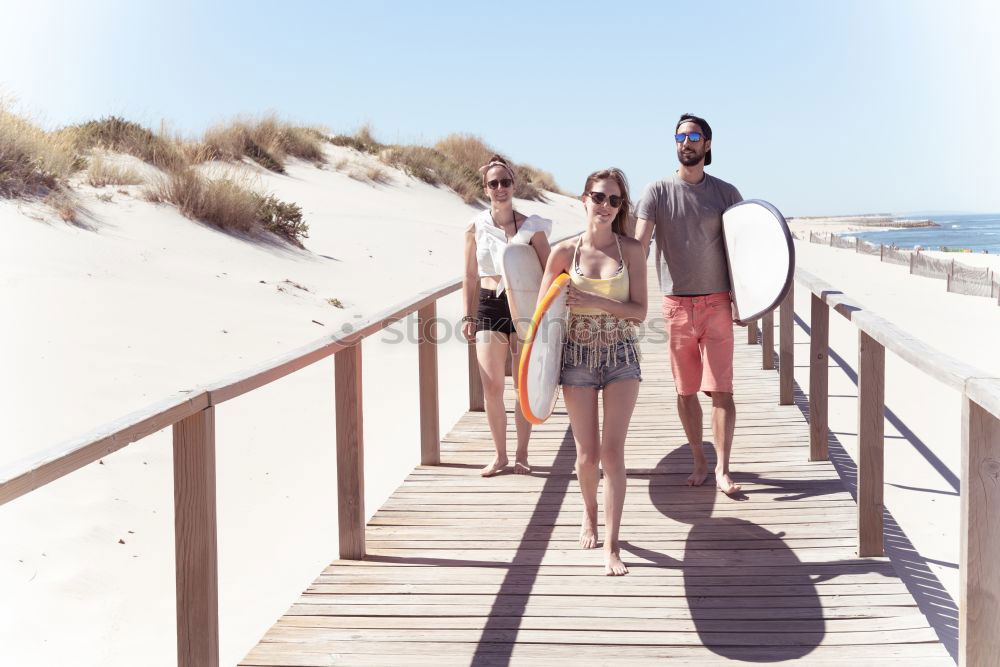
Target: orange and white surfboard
(541,355)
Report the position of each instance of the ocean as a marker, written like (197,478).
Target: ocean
(976,232)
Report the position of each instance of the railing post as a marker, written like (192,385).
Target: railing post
(767,342)
(350,452)
(871,444)
(786,347)
(979,578)
(430,433)
(195,542)
(752,333)
(476,401)
(819,344)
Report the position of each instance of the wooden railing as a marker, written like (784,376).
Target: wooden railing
(979,568)
(193,419)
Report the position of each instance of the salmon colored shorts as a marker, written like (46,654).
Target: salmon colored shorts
(700,330)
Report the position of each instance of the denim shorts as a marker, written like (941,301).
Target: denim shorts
(598,373)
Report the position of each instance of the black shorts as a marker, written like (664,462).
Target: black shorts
(494,312)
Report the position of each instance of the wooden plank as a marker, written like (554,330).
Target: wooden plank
(430,433)
(752,333)
(818,379)
(476,399)
(392,653)
(37,470)
(816,637)
(979,577)
(871,444)
(597,624)
(557,604)
(786,344)
(350,453)
(767,342)
(195,541)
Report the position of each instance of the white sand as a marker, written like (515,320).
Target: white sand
(147,304)
(962,326)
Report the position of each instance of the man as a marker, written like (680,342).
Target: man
(685,210)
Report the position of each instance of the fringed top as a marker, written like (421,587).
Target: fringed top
(594,335)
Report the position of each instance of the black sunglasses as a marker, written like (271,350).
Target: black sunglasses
(501,183)
(614,201)
(693,136)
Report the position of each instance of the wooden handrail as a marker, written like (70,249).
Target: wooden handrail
(979,598)
(37,470)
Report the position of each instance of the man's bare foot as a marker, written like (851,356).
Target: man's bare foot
(697,478)
(521,467)
(726,484)
(497,466)
(588,532)
(614,567)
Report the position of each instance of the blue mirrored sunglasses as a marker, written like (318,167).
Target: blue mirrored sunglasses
(691,136)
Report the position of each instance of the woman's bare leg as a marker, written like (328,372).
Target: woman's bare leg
(619,401)
(523,425)
(581,404)
(491,352)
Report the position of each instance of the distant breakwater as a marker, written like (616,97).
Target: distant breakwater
(868,221)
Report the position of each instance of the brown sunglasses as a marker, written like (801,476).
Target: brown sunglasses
(614,201)
(500,183)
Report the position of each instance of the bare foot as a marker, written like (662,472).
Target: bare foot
(614,567)
(521,467)
(697,478)
(726,484)
(588,532)
(497,466)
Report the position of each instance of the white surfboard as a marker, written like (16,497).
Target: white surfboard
(761,257)
(541,355)
(522,275)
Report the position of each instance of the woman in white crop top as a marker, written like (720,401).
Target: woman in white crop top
(487,318)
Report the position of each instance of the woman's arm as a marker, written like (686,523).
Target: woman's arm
(470,283)
(541,244)
(634,310)
(558,262)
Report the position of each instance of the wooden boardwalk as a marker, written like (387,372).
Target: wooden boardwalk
(463,570)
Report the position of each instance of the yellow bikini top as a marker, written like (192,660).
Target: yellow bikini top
(616,287)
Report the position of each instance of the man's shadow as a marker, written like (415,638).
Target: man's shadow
(749,595)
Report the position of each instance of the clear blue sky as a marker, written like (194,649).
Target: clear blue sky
(819,107)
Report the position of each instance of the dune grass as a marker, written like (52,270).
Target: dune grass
(33,163)
(37,164)
(267,141)
(454,162)
(118,135)
(229,204)
(101,173)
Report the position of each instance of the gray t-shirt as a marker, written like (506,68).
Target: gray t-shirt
(687,219)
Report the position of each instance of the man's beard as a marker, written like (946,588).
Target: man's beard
(690,160)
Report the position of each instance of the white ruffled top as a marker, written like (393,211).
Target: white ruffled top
(491,241)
